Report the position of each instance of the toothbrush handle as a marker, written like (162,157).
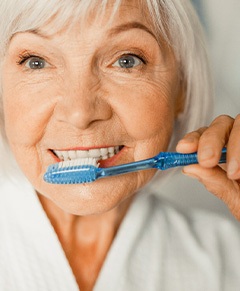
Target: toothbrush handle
(126,168)
(168,160)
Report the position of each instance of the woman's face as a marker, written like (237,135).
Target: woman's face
(83,91)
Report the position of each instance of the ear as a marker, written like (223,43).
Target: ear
(180,100)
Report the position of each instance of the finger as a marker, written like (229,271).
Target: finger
(233,154)
(216,181)
(213,139)
(189,143)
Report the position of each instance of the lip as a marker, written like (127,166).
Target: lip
(56,159)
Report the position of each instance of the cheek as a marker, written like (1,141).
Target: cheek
(27,110)
(145,112)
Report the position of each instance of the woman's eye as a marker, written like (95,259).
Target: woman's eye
(36,63)
(128,62)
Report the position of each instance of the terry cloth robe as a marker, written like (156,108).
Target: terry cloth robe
(156,248)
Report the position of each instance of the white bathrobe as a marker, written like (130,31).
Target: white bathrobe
(157,248)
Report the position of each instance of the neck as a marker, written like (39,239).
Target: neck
(85,239)
(67,225)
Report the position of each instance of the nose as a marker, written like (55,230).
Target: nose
(82,105)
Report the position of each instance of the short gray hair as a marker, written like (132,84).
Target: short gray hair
(175,20)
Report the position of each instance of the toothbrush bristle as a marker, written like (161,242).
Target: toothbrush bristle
(72,172)
(78,162)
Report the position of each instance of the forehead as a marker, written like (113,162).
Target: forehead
(114,15)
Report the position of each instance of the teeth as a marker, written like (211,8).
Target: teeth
(111,150)
(98,154)
(72,155)
(104,152)
(80,154)
(104,157)
(94,153)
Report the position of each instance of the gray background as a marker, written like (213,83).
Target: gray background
(221,20)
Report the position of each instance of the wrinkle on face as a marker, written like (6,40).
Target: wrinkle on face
(81,99)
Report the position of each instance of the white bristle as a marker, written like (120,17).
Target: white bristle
(79,162)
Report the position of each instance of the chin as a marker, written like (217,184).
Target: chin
(94,198)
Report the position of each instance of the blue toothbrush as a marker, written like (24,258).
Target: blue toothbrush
(70,172)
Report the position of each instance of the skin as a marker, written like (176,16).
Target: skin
(82,98)
(221,180)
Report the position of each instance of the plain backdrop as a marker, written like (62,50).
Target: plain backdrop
(221,20)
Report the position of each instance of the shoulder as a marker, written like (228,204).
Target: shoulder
(198,233)
(16,194)
(197,221)
(194,244)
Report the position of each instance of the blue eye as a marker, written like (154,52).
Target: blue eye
(36,63)
(128,62)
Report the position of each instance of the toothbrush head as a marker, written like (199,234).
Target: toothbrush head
(72,172)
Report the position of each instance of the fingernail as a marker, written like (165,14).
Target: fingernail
(232,167)
(206,153)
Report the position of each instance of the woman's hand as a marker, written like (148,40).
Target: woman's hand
(221,180)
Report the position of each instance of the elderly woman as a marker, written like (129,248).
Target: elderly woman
(119,81)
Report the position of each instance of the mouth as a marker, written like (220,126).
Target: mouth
(99,154)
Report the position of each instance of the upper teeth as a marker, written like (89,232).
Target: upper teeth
(99,154)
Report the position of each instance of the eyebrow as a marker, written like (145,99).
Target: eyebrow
(38,32)
(130,25)
(112,32)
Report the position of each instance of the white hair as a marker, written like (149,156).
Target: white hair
(174,20)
